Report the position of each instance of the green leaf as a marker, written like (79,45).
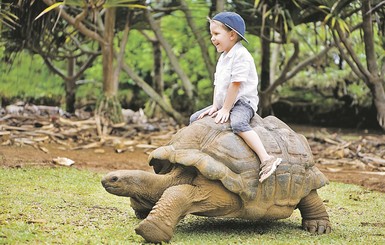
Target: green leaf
(127,6)
(267,14)
(122,3)
(325,21)
(10,17)
(256,3)
(53,6)
(343,25)
(333,22)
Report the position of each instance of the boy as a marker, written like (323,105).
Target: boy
(236,87)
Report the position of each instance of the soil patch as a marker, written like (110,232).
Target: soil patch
(349,156)
(105,159)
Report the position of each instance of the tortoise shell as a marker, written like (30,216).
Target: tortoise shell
(219,154)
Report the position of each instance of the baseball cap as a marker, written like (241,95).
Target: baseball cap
(234,21)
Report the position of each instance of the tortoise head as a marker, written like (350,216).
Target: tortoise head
(124,182)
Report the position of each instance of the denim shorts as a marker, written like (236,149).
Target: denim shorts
(240,116)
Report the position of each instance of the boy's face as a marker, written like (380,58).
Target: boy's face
(221,37)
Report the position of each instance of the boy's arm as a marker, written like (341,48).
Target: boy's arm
(224,113)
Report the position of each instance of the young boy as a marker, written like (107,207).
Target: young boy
(236,87)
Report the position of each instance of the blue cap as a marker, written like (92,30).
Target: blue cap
(234,21)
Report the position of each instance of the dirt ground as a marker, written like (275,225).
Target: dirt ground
(105,159)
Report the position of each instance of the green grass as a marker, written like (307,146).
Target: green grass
(69,206)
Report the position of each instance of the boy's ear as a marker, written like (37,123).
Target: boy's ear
(233,35)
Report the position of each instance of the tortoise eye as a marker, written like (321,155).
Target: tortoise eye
(114,179)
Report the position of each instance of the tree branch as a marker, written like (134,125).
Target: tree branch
(288,74)
(173,59)
(352,53)
(347,58)
(367,28)
(86,65)
(282,78)
(152,93)
(199,38)
(80,26)
(307,62)
(53,68)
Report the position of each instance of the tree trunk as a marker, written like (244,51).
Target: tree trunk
(217,6)
(71,77)
(375,80)
(108,108)
(70,86)
(156,110)
(109,88)
(220,5)
(265,108)
(369,74)
(158,68)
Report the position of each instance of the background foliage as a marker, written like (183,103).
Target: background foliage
(328,83)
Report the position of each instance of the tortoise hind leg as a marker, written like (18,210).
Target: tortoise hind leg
(315,219)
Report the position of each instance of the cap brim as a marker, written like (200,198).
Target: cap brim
(237,32)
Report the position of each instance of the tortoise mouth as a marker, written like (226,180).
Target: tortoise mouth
(111,189)
(108,187)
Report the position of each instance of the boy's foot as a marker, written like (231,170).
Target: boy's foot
(268,167)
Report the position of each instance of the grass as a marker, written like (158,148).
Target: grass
(43,205)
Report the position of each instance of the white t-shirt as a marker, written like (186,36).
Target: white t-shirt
(237,66)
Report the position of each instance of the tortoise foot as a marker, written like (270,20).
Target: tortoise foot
(317,226)
(153,232)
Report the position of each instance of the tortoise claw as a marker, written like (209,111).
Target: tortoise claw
(317,226)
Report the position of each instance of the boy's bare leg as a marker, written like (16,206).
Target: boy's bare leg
(268,163)
(254,142)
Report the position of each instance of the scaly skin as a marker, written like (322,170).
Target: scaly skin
(172,196)
(172,206)
(205,197)
(144,188)
(315,219)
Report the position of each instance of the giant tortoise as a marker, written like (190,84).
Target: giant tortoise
(207,170)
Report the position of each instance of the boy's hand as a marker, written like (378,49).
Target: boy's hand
(209,112)
(221,116)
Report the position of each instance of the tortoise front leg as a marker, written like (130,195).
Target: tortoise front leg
(208,198)
(174,204)
(315,219)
